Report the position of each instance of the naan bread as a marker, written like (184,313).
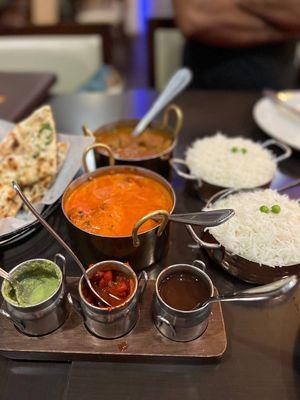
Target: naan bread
(25,170)
(62,151)
(10,203)
(31,156)
(34,138)
(36,192)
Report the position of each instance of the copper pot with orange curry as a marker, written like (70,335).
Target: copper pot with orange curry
(110,215)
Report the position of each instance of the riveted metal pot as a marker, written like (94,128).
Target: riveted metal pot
(234,264)
(140,250)
(110,323)
(205,189)
(45,317)
(158,162)
(178,325)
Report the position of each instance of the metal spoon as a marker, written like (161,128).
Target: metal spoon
(106,298)
(265,292)
(203,218)
(14,283)
(176,84)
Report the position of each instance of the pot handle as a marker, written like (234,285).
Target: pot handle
(101,146)
(174,161)
(60,259)
(143,277)
(173,108)
(161,320)
(199,264)
(87,131)
(18,324)
(218,196)
(76,305)
(287,152)
(199,241)
(159,213)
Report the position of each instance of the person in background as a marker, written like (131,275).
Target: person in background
(240,44)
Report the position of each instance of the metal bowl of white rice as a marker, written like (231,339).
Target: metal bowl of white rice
(261,242)
(219,162)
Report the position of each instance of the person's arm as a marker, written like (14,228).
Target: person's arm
(223,23)
(283,14)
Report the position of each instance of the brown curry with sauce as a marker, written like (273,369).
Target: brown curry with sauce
(111,204)
(125,146)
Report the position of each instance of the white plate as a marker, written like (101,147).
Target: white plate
(277,122)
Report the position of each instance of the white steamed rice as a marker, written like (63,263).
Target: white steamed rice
(212,160)
(270,239)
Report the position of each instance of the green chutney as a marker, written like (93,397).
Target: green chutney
(38,281)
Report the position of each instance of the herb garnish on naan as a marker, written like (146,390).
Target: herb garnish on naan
(31,156)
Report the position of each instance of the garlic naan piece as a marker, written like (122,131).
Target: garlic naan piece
(34,138)
(31,156)
(10,202)
(36,192)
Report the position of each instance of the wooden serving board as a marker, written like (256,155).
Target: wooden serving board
(144,343)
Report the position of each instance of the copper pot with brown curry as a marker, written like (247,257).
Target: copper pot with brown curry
(152,149)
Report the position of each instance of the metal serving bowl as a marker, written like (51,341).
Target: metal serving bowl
(234,264)
(45,317)
(159,162)
(178,325)
(205,189)
(105,322)
(140,250)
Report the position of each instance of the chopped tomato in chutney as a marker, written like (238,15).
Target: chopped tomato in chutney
(112,282)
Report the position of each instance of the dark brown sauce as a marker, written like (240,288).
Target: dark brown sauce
(184,291)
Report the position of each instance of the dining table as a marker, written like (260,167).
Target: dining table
(262,359)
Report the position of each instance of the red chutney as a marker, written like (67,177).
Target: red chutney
(111,282)
(111,204)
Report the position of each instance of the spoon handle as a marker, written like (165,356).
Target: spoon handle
(203,218)
(48,227)
(265,292)
(5,275)
(175,85)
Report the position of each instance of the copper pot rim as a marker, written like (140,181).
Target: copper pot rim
(103,264)
(133,122)
(101,171)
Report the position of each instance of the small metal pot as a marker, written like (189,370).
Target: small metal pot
(205,189)
(140,250)
(45,317)
(177,325)
(235,265)
(110,323)
(158,162)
